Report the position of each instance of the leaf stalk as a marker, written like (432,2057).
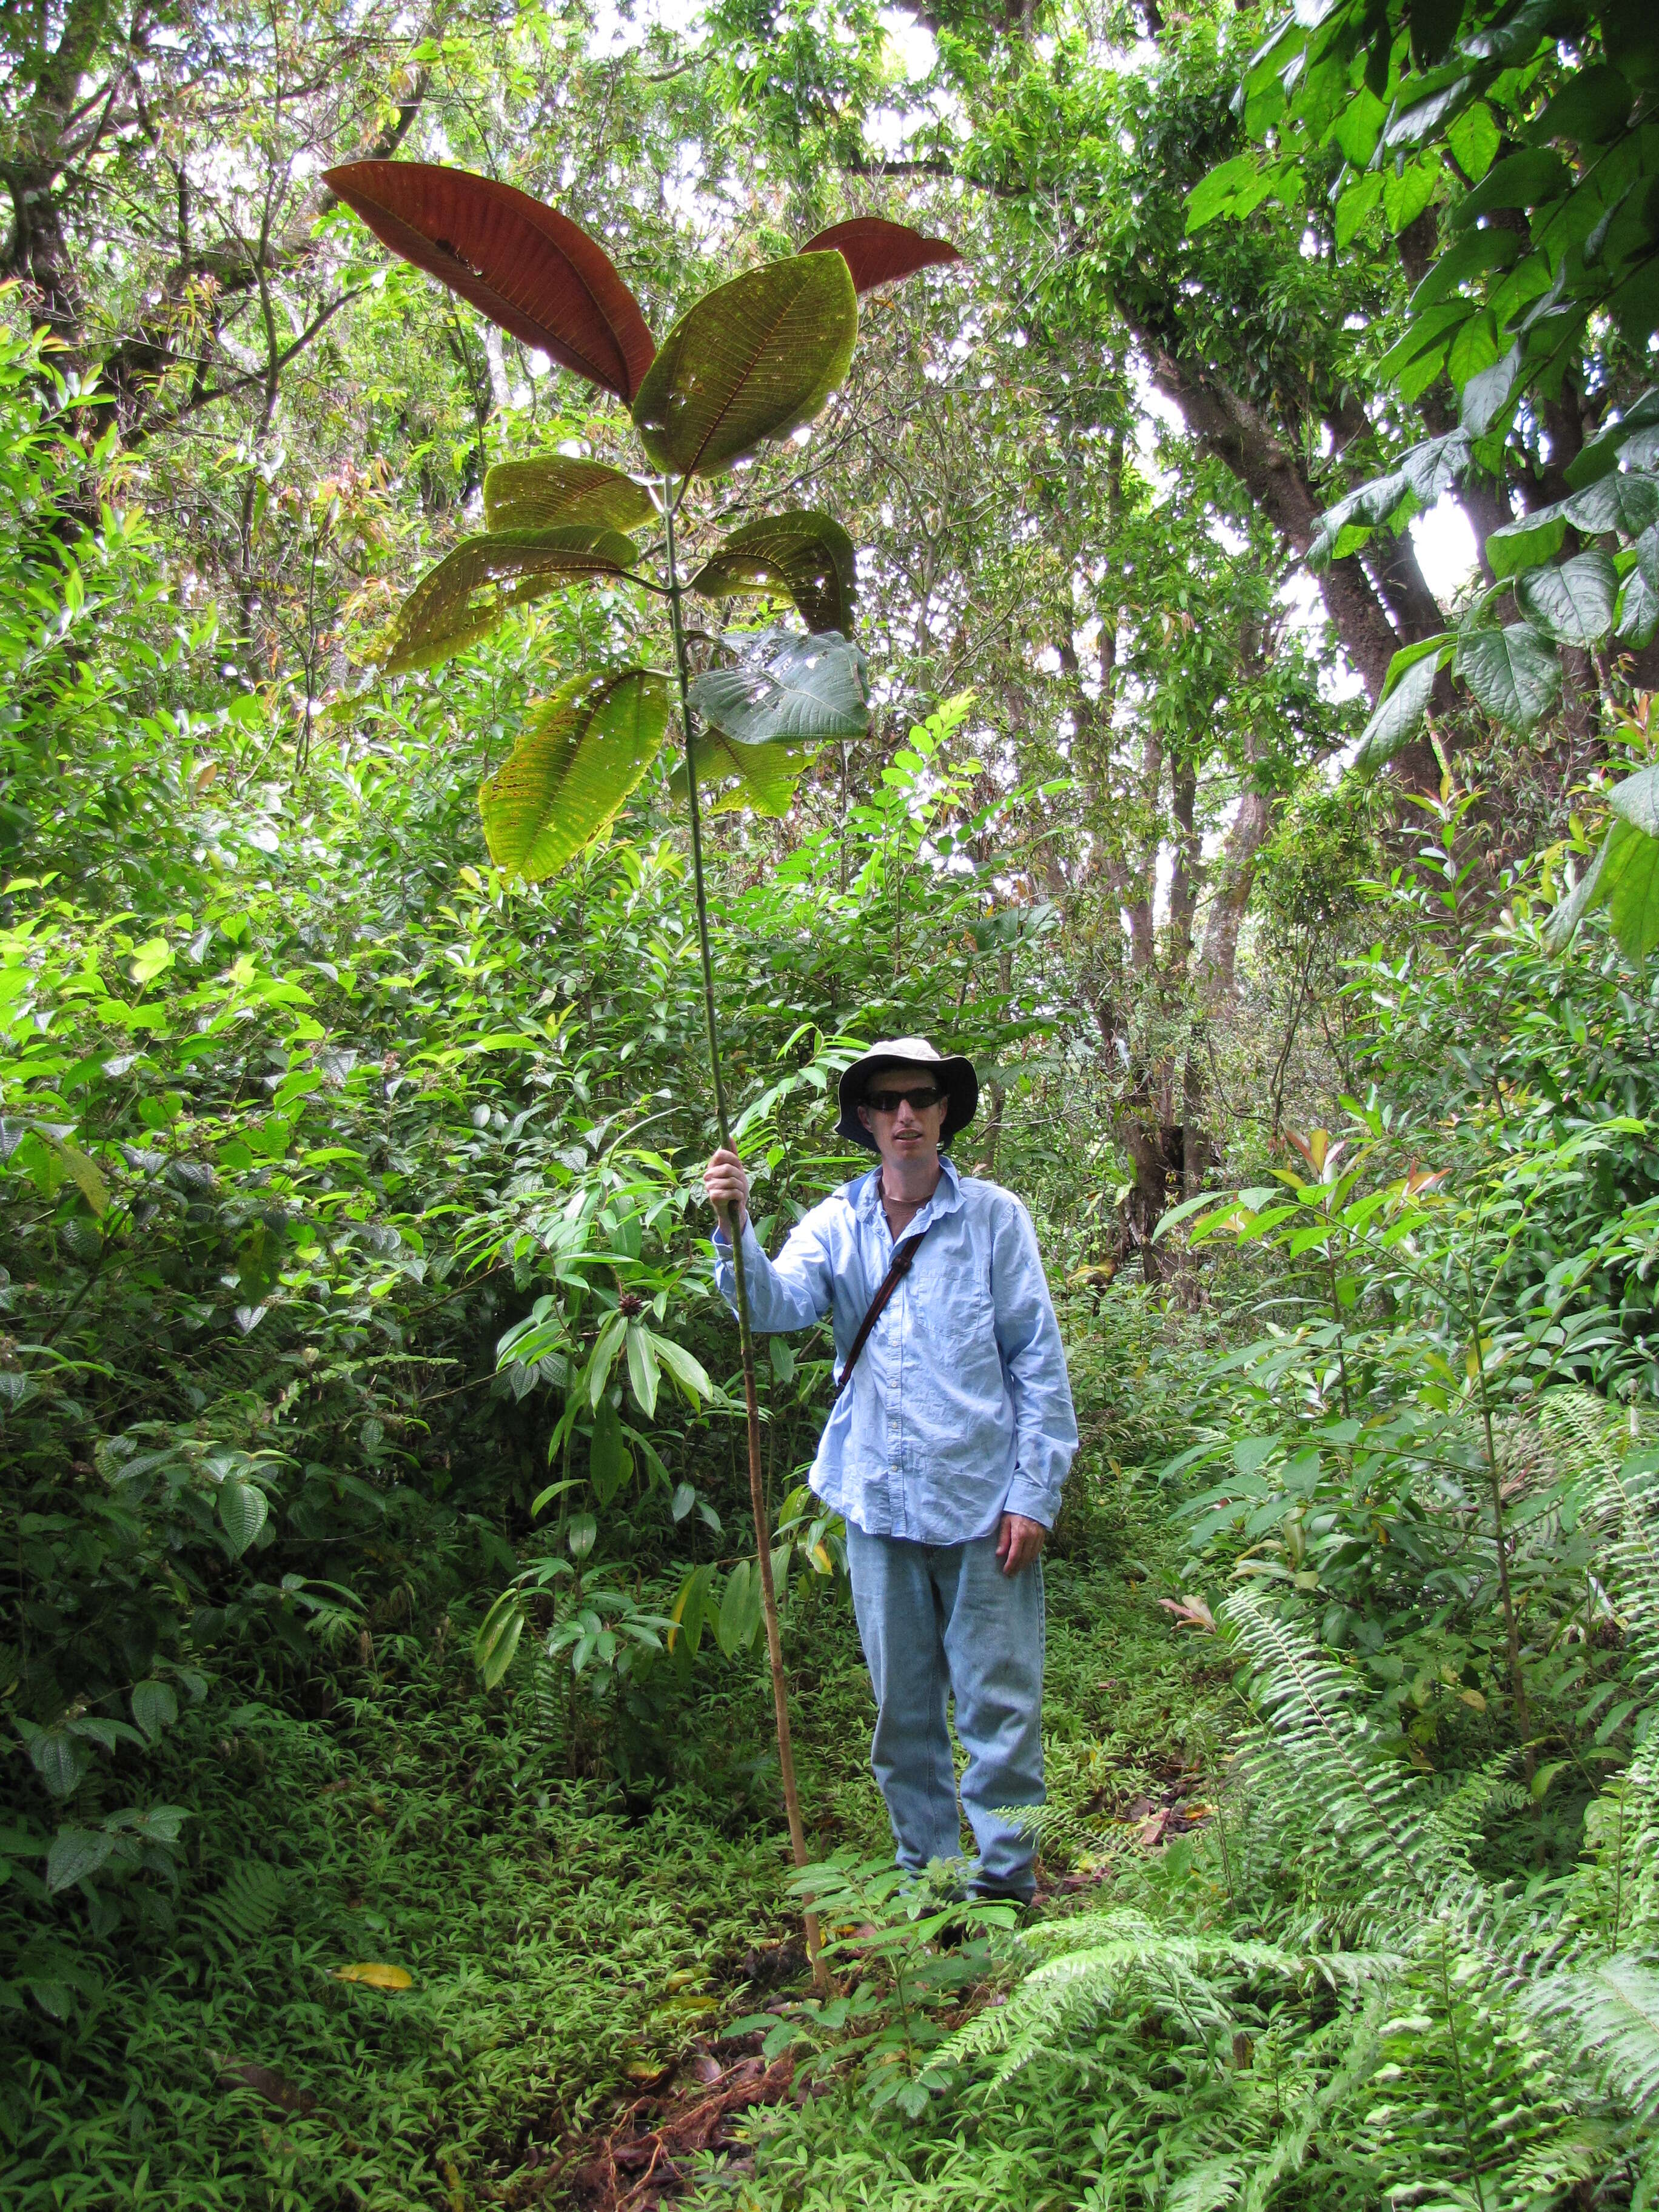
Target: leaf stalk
(745,1332)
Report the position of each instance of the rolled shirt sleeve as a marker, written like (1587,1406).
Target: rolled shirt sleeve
(1034,1359)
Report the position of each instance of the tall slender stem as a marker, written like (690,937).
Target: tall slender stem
(745,1332)
(1495,1485)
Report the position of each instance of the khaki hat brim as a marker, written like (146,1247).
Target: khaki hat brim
(953,1070)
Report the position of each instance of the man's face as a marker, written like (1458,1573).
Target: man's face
(903,1130)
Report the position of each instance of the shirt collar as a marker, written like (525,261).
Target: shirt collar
(947,1195)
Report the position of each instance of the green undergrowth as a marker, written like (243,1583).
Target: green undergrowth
(552,1939)
(564,1940)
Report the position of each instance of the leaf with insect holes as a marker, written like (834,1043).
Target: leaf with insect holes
(802,552)
(787,689)
(485,578)
(765,775)
(881,252)
(525,266)
(755,359)
(371,1974)
(569,773)
(561,493)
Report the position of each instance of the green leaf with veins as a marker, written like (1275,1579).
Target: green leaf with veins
(787,689)
(1572,604)
(76,1854)
(1625,500)
(753,359)
(1398,716)
(154,1708)
(561,492)
(566,778)
(485,578)
(1629,886)
(1636,801)
(1512,672)
(1638,610)
(766,775)
(243,1510)
(1523,544)
(802,552)
(609,1461)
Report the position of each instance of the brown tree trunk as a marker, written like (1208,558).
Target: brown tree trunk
(1228,426)
(1235,876)
(37,254)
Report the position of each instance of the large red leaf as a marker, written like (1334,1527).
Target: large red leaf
(878,252)
(525,266)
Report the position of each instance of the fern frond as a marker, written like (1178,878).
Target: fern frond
(1377,1807)
(1608,2013)
(1206,2187)
(244,1909)
(1614,1451)
(1459,1815)
(1312,2111)
(1099,1962)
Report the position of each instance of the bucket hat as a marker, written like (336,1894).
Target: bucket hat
(953,1070)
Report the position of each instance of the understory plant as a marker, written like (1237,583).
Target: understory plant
(910,1949)
(751,361)
(1327,1993)
(1369,2009)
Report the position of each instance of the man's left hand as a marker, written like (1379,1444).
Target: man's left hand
(1018,1542)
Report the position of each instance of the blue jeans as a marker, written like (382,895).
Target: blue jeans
(936,1618)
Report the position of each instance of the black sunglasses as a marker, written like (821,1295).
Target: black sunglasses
(889,1102)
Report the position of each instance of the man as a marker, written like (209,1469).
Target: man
(944,1452)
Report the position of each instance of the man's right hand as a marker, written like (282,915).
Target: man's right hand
(726,1188)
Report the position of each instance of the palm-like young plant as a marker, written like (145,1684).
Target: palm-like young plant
(752,361)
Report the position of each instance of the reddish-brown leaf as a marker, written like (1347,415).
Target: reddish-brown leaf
(525,266)
(879,253)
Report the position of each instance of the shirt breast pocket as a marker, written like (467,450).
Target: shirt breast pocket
(956,1309)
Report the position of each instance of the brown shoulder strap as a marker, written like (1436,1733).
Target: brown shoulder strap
(897,1268)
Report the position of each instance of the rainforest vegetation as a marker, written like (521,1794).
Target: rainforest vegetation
(1175,621)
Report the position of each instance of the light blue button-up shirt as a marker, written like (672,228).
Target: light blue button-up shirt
(959,1409)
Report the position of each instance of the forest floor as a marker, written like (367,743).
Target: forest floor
(573,1955)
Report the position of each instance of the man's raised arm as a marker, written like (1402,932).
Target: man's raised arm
(793,1290)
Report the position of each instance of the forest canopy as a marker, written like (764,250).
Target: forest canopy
(565,572)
